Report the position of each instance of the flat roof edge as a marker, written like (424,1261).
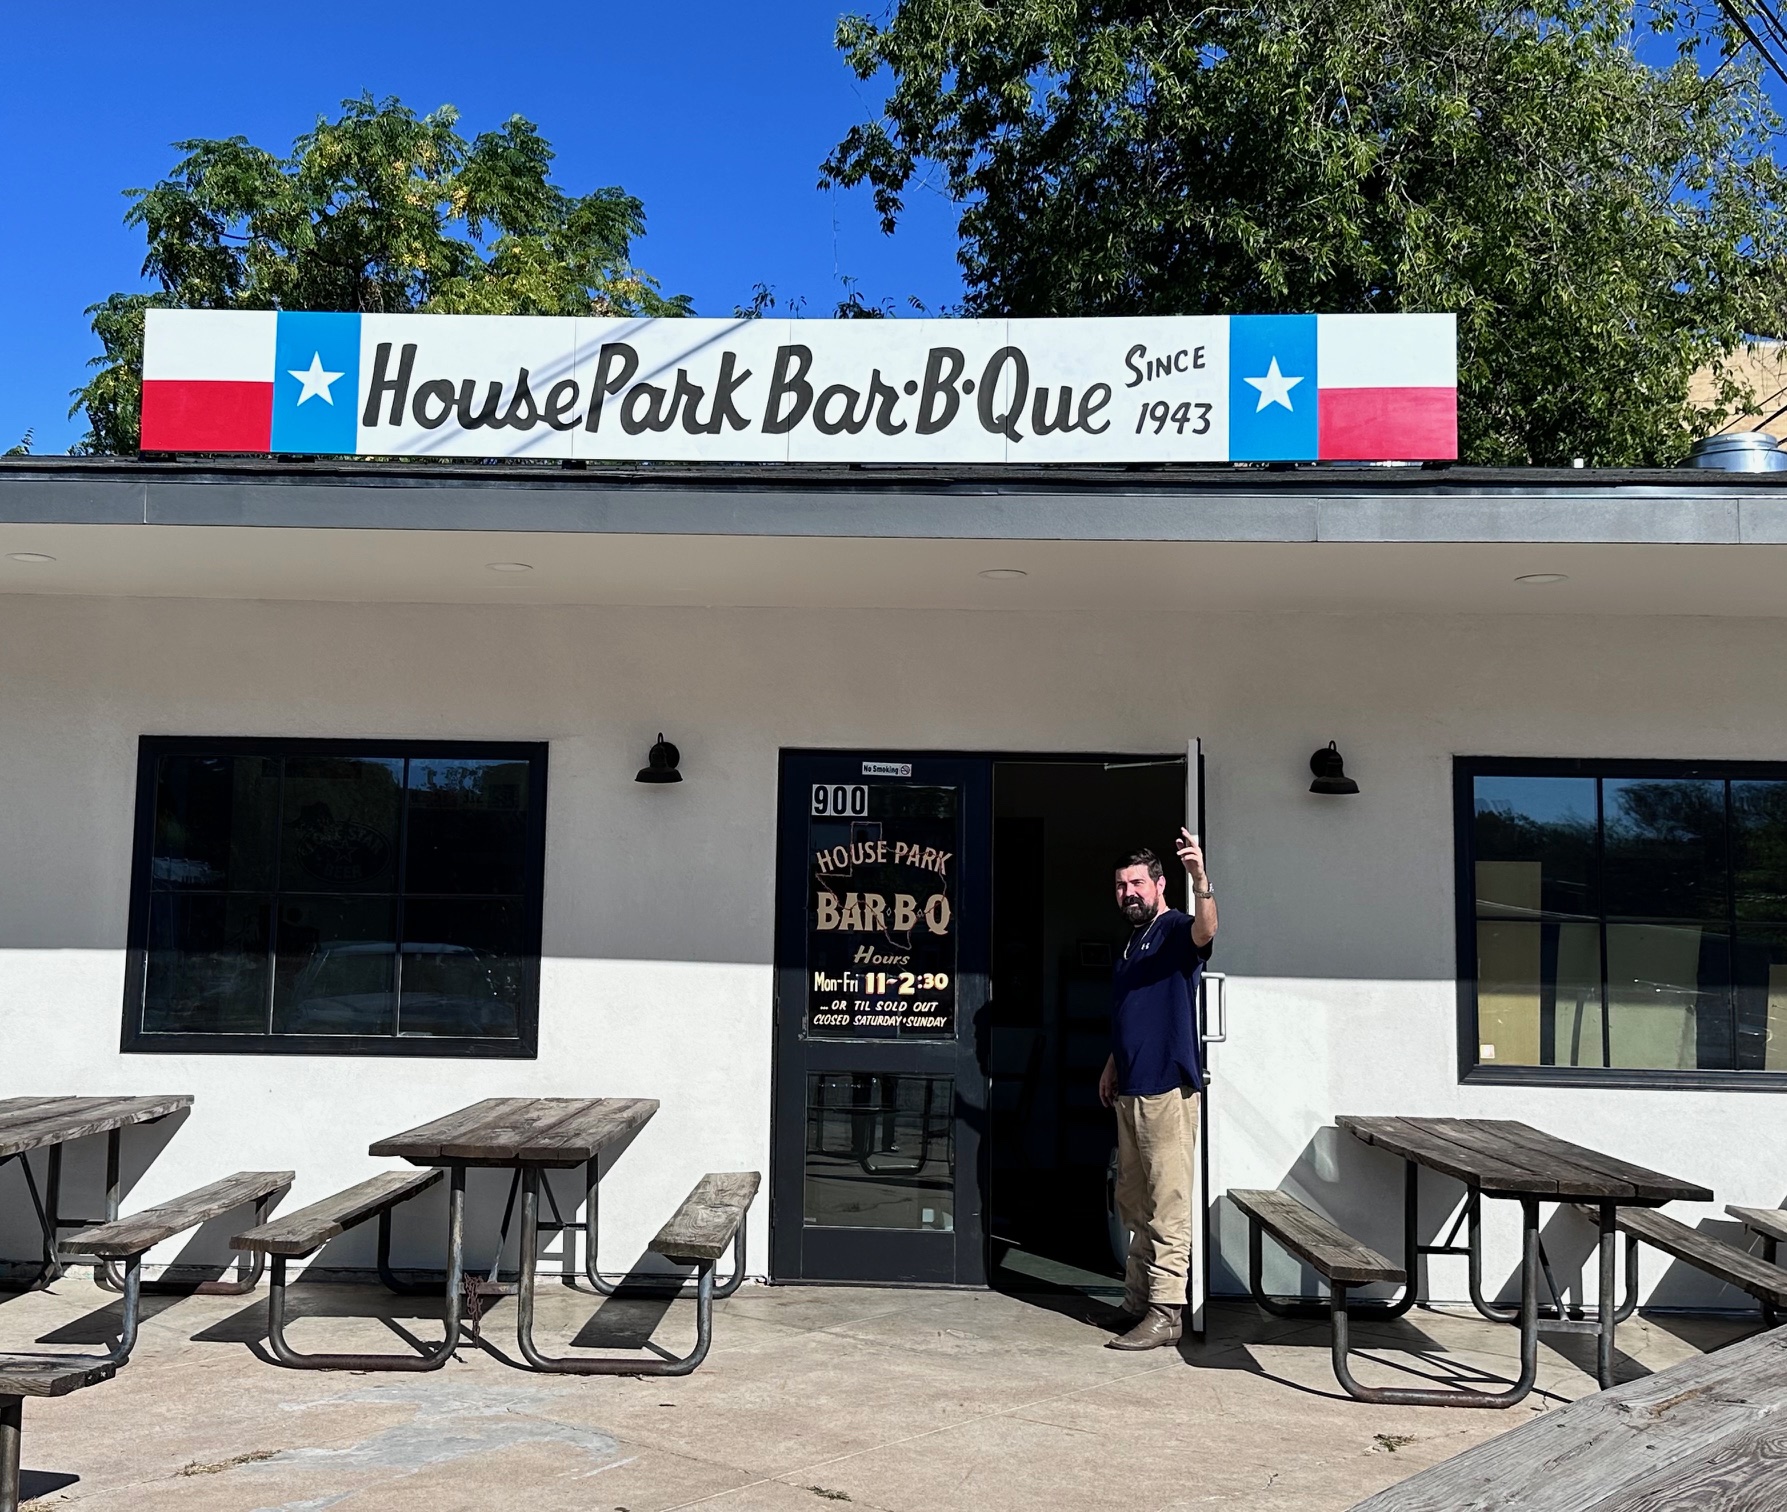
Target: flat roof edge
(1303,504)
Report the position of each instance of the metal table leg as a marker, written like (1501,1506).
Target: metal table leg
(1603,1324)
(1605,1305)
(433,1358)
(1459,1396)
(600,1364)
(127,1331)
(49,1267)
(11,1422)
(127,1328)
(1474,1210)
(52,1192)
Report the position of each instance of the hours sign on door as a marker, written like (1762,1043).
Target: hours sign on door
(881,911)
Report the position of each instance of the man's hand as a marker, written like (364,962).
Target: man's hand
(1191,857)
(1107,1082)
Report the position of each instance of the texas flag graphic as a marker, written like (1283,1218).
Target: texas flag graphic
(251,381)
(1343,388)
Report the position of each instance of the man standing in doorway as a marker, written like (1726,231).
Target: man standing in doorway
(1153,1079)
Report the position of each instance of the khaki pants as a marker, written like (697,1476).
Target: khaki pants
(1156,1139)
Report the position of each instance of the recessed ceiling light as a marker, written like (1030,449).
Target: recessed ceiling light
(29,556)
(510,566)
(1544,577)
(1000,574)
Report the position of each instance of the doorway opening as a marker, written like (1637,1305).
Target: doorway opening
(1058,827)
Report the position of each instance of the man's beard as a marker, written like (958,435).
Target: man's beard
(1136,911)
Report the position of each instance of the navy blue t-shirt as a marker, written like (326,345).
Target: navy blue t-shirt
(1154,991)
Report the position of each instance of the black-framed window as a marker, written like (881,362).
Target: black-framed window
(336,897)
(1622,922)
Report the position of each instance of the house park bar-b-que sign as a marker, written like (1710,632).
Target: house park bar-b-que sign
(1215,388)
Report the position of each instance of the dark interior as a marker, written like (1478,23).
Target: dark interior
(1058,828)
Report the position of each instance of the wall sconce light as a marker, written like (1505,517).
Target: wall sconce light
(660,763)
(1330,772)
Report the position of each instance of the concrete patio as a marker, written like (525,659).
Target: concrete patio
(909,1401)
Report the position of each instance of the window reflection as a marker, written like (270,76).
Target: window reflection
(334,969)
(1535,846)
(1664,848)
(339,832)
(1759,849)
(467,826)
(1539,994)
(462,967)
(339,893)
(1759,998)
(1667,1007)
(215,821)
(1624,922)
(880,1151)
(207,964)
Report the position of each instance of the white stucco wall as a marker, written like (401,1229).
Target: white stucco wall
(1337,915)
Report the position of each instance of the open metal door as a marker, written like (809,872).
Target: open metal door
(1213,1029)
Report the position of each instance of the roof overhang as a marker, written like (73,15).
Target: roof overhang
(1332,503)
(1331,540)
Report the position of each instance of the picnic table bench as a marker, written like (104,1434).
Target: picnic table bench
(308,1229)
(1496,1158)
(530,1137)
(1760,1277)
(1705,1433)
(129,1239)
(710,1218)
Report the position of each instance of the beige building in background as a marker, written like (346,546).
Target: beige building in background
(1761,365)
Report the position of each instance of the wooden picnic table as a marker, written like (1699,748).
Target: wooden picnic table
(1497,1157)
(521,1131)
(1704,1433)
(49,1123)
(527,1135)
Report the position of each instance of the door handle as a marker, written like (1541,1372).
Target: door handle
(1220,1037)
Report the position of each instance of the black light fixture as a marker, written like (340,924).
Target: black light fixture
(660,763)
(1330,772)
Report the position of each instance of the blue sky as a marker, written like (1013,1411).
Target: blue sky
(717,116)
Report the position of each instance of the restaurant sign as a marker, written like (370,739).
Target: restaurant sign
(881,910)
(1196,388)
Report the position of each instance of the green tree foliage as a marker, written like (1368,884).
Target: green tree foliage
(380,210)
(1601,227)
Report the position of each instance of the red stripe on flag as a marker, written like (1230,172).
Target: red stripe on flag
(190,415)
(1389,425)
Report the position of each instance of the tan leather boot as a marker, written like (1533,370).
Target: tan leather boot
(1159,1326)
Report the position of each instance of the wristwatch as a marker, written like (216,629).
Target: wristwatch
(1205,892)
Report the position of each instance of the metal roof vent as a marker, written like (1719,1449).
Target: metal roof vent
(1738,451)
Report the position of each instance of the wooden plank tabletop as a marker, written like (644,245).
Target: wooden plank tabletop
(505,1131)
(32,1123)
(1705,1433)
(1506,1158)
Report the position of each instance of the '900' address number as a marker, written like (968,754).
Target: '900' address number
(840,800)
